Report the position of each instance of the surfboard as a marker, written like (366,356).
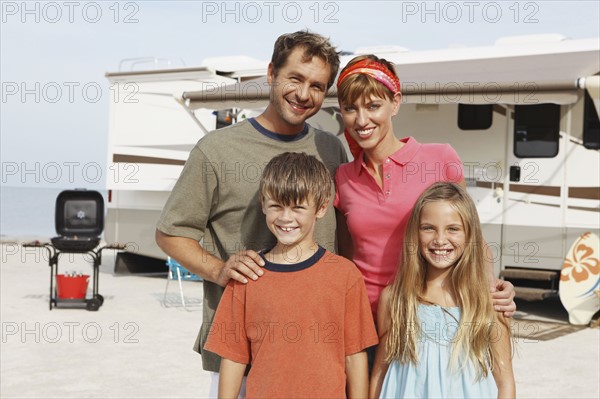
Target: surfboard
(580,279)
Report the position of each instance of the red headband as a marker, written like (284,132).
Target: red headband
(374,69)
(378,72)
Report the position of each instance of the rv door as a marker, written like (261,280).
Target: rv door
(534,188)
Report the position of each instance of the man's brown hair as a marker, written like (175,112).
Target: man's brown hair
(314,45)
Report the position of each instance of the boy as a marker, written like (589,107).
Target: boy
(304,324)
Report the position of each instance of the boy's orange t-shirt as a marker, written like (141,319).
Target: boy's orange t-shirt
(295,325)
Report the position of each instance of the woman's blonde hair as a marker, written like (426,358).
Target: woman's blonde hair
(469,282)
(364,86)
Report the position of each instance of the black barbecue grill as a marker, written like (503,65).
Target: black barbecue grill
(79,221)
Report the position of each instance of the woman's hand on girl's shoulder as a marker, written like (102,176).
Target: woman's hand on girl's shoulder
(503,295)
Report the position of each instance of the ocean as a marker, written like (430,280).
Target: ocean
(28,211)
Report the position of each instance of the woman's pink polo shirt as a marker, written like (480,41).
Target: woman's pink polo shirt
(377,217)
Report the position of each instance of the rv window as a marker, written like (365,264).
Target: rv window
(475,117)
(591,124)
(536,130)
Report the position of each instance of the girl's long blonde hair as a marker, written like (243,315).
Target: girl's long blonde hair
(469,282)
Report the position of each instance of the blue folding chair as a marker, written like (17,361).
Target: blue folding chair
(182,274)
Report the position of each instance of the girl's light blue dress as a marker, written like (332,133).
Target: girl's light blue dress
(431,377)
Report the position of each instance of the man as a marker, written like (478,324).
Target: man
(215,199)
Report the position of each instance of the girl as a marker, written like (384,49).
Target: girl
(439,334)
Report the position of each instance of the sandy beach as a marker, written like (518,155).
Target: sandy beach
(135,347)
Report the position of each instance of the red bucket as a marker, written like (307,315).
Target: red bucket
(68,287)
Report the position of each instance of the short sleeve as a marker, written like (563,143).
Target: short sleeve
(336,198)
(188,208)
(226,336)
(453,166)
(343,176)
(359,325)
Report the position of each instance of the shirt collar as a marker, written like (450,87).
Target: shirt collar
(305,264)
(403,156)
(278,136)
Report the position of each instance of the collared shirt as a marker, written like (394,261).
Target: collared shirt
(377,216)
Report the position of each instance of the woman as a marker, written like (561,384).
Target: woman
(376,192)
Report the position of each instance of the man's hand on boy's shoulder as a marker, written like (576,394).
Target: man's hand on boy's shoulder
(241,266)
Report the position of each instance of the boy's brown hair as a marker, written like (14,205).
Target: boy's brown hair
(295,178)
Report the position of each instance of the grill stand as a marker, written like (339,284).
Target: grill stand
(96,300)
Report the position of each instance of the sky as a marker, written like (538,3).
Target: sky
(54,55)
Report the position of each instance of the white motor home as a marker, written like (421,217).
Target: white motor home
(522,114)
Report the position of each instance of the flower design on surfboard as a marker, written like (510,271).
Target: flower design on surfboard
(581,262)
